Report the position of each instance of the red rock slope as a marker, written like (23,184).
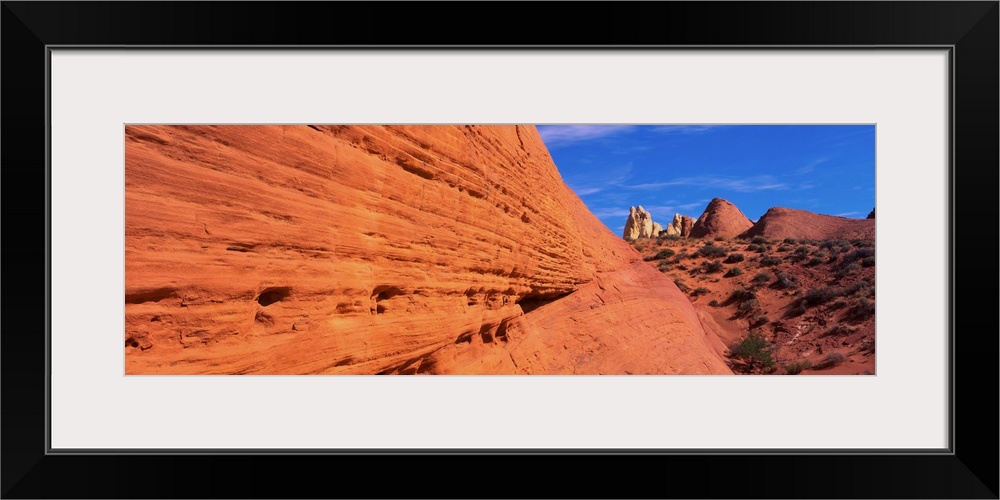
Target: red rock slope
(371,249)
(720,218)
(779,223)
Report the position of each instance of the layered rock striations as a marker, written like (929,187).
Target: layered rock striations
(781,222)
(721,218)
(382,249)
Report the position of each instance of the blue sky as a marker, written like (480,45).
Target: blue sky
(827,169)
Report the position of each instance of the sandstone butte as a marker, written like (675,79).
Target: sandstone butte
(720,218)
(781,222)
(383,249)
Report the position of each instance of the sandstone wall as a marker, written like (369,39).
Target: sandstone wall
(381,249)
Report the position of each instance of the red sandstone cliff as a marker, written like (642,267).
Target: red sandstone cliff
(382,249)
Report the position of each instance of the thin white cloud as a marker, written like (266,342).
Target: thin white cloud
(748,185)
(848,214)
(809,167)
(562,135)
(592,182)
(586,191)
(692,206)
(602,213)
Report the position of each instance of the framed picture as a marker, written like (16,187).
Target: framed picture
(80,420)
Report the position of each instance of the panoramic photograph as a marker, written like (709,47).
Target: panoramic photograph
(500,249)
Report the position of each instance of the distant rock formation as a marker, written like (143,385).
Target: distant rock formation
(687,224)
(779,223)
(680,226)
(639,224)
(720,218)
(872,214)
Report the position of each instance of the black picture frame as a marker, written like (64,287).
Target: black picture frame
(970,29)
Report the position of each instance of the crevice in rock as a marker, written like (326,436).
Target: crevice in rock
(485,333)
(533,301)
(382,293)
(273,294)
(155,295)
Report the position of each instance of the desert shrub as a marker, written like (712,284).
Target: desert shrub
(837,304)
(734,258)
(760,240)
(753,247)
(796,367)
(860,289)
(784,281)
(761,278)
(664,267)
(848,270)
(741,294)
(868,261)
(757,320)
(812,298)
(747,306)
(796,308)
(831,360)
(784,248)
(837,331)
(868,345)
(819,296)
(754,354)
(681,285)
(859,254)
(714,303)
(700,291)
(711,251)
(790,241)
(802,250)
(833,258)
(862,310)
(719,238)
(733,271)
(682,267)
(794,257)
(863,243)
(668,237)
(666,253)
(815,261)
(770,261)
(712,267)
(829,244)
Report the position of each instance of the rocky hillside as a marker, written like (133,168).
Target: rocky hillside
(780,223)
